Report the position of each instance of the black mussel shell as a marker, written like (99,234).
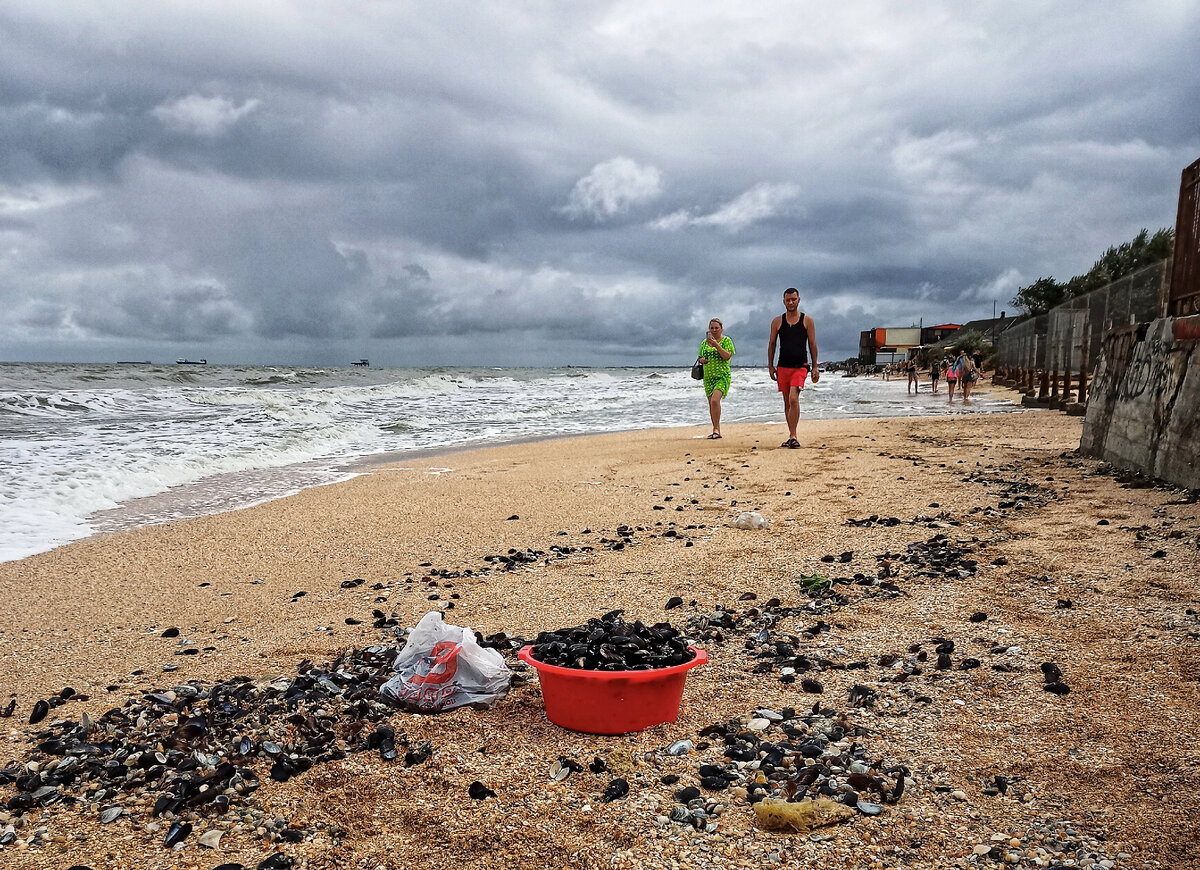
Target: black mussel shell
(166,803)
(19,803)
(479,791)
(418,754)
(195,727)
(283,770)
(177,833)
(278,861)
(616,789)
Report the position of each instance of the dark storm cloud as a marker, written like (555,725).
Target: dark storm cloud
(189,314)
(552,184)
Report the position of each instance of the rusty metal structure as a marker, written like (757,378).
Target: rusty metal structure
(1183,298)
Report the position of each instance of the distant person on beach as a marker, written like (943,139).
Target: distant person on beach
(977,358)
(935,371)
(967,375)
(715,352)
(951,376)
(797,358)
(913,383)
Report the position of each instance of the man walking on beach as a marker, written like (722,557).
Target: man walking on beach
(797,357)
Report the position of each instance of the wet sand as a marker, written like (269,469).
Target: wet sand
(1117,760)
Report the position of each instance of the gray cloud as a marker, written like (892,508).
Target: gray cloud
(563,185)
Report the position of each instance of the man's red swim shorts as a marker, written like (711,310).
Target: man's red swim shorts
(788,378)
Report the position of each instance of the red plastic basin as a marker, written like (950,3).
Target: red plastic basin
(611,702)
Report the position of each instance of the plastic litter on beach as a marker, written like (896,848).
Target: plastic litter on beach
(751,520)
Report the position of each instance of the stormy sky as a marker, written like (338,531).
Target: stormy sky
(527,183)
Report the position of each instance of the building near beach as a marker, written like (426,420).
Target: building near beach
(887,344)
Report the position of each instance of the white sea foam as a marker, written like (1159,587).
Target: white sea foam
(86,448)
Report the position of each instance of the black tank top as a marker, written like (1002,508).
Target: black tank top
(793,343)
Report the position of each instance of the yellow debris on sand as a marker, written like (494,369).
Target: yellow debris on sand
(802,816)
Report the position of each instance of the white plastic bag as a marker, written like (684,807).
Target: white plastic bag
(442,667)
(751,520)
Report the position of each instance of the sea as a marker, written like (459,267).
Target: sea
(87,449)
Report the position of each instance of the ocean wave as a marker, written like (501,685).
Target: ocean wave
(407,425)
(42,405)
(284,378)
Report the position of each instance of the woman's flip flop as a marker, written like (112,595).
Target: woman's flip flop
(714,436)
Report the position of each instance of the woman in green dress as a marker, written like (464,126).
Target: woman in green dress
(715,352)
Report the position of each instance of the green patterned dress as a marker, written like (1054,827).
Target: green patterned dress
(716,370)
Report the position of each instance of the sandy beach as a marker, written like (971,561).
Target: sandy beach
(1044,557)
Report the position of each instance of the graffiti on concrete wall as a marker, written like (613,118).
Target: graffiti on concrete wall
(1148,368)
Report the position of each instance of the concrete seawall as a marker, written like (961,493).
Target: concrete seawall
(1144,408)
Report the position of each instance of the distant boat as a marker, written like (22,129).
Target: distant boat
(191,362)
(134,362)
(361,362)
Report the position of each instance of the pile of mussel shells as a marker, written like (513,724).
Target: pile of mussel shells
(787,755)
(941,557)
(612,644)
(203,748)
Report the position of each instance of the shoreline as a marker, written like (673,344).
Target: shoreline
(227,492)
(1007,493)
(224,493)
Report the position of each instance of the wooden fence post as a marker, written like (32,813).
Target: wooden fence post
(1053,354)
(1083,361)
